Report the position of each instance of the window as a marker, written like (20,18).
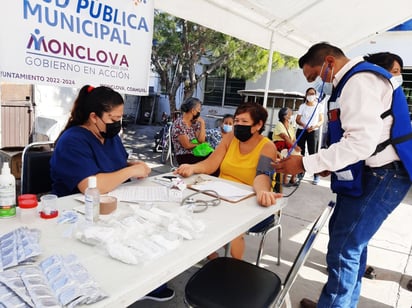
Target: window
(407,88)
(215,89)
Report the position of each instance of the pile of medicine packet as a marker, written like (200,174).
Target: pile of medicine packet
(145,235)
(58,281)
(18,247)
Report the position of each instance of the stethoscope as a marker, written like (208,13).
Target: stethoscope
(197,205)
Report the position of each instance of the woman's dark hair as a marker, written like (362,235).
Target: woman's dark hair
(317,53)
(189,104)
(308,89)
(90,99)
(283,113)
(256,111)
(384,59)
(226,116)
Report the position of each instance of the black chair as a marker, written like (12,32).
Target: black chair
(263,229)
(35,171)
(231,283)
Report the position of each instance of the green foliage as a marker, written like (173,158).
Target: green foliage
(179,45)
(248,61)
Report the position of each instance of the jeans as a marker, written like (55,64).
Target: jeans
(353,223)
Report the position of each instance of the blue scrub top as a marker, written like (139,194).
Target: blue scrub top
(79,154)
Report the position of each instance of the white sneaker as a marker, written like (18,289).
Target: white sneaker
(160,296)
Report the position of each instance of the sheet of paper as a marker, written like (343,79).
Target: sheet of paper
(225,190)
(141,193)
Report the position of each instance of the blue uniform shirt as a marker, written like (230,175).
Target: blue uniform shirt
(79,154)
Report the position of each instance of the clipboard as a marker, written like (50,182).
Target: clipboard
(226,191)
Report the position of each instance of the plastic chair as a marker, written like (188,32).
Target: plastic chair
(268,225)
(232,283)
(35,171)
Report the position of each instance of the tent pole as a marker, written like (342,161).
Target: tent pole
(269,71)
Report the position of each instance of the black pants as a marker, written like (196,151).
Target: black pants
(311,139)
(188,159)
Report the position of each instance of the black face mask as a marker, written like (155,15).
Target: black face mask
(196,116)
(243,132)
(112,129)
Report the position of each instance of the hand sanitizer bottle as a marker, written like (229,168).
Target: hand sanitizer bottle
(92,200)
(7,192)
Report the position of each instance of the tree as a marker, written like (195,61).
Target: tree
(179,46)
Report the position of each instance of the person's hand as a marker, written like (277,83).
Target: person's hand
(290,165)
(324,173)
(140,169)
(201,121)
(267,198)
(298,149)
(184,170)
(134,161)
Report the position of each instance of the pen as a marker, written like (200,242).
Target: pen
(163,180)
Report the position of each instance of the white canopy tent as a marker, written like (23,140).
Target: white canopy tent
(292,26)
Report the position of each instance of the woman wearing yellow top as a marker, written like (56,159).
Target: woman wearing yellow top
(243,156)
(284,137)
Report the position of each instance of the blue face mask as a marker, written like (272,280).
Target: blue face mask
(227,128)
(327,87)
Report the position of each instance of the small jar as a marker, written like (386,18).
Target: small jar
(26,197)
(48,208)
(28,210)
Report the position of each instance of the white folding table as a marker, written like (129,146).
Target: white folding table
(126,283)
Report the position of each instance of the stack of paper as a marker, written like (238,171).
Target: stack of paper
(225,190)
(134,193)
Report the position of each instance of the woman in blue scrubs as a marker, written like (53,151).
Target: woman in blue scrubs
(90,145)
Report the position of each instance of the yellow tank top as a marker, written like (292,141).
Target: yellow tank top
(239,167)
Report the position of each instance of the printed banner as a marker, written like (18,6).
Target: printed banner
(71,43)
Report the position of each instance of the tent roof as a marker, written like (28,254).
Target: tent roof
(271,93)
(295,24)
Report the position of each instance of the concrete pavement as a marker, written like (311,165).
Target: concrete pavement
(390,250)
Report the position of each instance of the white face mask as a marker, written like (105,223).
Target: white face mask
(227,128)
(399,79)
(311,98)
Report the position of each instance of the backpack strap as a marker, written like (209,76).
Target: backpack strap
(381,146)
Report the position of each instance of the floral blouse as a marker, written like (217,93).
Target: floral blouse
(214,136)
(178,129)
